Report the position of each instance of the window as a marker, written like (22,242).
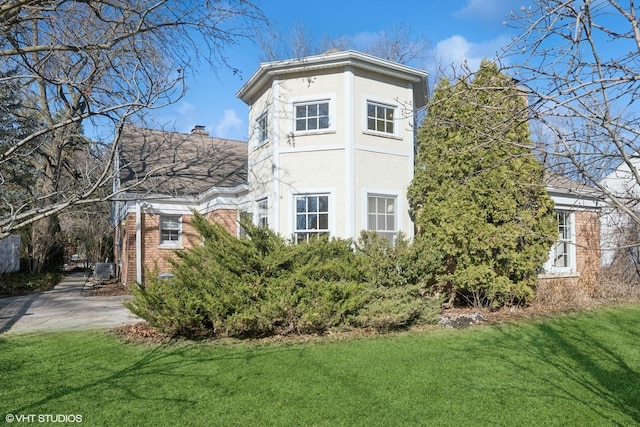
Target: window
(170,230)
(262,214)
(381,211)
(562,255)
(263,128)
(312,216)
(380,118)
(312,116)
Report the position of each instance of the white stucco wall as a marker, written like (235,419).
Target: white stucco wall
(346,161)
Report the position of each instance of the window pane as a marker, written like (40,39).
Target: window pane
(371,205)
(313,204)
(380,112)
(312,124)
(324,203)
(389,127)
(391,206)
(301,124)
(390,223)
(371,110)
(324,123)
(301,111)
(372,222)
(312,110)
(380,125)
(371,124)
(312,222)
(389,115)
(380,208)
(301,222)
(324,109)
(323,221)
(301,204)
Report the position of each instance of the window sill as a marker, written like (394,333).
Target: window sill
(170,246)
(382,135)
(311,132)
(559,275)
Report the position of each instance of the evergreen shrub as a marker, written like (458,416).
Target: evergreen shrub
(263,285)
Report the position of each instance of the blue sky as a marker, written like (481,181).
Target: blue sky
(457,29)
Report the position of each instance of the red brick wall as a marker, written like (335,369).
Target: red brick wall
(588,245)
(587,229)
(156,255)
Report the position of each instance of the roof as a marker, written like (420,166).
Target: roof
(334,59)
(567,192)
(179,164)
(562,183)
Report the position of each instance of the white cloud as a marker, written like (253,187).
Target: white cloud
(229,125)
(488,11)
(186,109)
(457,50)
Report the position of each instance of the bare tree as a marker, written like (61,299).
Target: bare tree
(579,62)
(396,43)
(97,64)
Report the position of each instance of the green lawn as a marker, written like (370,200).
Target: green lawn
(574,370)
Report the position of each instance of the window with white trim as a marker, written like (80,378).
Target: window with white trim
(311,116)
(562,254)
(381,214)
(262,128)
(262,213)
(380,118)
(312,216)
(170,229)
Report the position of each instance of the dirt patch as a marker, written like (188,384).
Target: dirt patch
(142,333)
(104,289)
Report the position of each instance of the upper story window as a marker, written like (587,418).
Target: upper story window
(262,128)
(170,229)
(562,255)
(262,213)
(381,214)
(312,116)
(312,216)
(380,118)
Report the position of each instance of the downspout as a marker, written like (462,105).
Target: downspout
(138,242)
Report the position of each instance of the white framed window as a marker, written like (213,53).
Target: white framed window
(262,128)
(311,216)
(170,230)
(381,118)
(311,116)
(262,213)
(562,257)
(381,215)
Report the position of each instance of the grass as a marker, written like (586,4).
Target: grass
(579,369)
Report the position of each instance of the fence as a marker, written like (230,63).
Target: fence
(10,254)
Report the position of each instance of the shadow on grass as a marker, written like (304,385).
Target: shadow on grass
(163,361)
(583,358)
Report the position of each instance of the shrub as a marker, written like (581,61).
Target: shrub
(398,294)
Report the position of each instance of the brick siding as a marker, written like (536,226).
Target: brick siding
(154,255)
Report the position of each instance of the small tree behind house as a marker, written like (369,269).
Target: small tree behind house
(485,221)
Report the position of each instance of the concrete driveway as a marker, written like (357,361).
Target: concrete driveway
(63,309)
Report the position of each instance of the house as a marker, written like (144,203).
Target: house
(330,152)
(331,145)
(164,176)
(619,230)
(576,254)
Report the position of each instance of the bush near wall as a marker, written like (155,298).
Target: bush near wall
(262,285)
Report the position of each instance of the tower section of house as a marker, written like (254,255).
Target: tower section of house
(331,146)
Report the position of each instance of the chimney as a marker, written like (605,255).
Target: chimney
(199,130)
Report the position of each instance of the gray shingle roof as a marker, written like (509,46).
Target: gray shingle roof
(178,164)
